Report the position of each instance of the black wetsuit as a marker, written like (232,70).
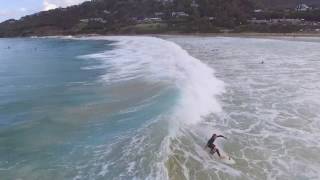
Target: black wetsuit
(212,146)
(211,141)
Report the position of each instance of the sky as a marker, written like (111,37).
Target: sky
(17,8)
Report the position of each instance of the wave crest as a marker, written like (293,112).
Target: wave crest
(154,59)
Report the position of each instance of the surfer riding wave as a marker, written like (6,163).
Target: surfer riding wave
(212,146)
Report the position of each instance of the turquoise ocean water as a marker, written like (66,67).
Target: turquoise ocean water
(57,111)
(140,107)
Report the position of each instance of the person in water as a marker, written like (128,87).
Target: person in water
(212,146)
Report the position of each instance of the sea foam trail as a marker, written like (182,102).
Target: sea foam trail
(155,59)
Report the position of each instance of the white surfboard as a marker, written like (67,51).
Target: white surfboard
(225,158)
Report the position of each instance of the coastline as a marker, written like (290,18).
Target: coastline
(244,34)
(306,37)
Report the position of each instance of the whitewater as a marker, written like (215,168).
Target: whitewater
(154,60)
(137,107)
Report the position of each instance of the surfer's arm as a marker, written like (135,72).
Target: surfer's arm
(221,136)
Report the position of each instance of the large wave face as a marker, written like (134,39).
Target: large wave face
(156,60)
(152,152)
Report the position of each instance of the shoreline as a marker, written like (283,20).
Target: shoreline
(244,35)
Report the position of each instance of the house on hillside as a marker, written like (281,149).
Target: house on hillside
(258,21)
(158,14)
(152,20)
(303,7)
(106,12)
(99,20)
(194,4)
(179,14)
(212,18)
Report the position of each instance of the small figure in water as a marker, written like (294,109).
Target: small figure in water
(212,146)
(262,62)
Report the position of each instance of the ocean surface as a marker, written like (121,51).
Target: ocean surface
(119,108)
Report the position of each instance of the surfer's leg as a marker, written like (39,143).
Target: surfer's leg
(213,150)
(217,150)
(210,146)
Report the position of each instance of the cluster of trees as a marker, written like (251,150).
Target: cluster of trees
(204,16)
(119,13)
(66,20)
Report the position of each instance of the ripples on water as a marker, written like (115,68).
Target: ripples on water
(143,108)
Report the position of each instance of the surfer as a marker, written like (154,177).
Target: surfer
(212,146)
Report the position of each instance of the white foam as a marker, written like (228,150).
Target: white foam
(155,59)
(260,139)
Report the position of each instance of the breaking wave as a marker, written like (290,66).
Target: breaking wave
(154,60)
